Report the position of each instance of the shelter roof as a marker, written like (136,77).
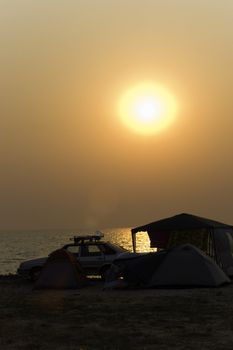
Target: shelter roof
(182,221)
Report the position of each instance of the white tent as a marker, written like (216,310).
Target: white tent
(187,265)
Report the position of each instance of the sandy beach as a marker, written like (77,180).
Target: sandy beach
(93,318)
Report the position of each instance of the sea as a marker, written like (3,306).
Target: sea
(18,246)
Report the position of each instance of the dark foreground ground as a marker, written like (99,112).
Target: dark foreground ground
(91,318)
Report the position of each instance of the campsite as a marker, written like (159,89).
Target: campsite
(179,297)
(116,222)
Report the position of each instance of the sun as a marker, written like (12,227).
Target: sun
(147,108)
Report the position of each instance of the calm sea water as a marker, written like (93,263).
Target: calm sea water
(17,246)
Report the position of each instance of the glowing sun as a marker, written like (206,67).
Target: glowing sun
(147,108)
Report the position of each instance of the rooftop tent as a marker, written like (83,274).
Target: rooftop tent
(213,237)
(61,271)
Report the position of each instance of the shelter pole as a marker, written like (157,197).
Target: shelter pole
(217,256)
(134,241)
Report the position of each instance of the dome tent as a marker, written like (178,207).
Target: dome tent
(61,271)
(183,266)
(188,266)
(212,237)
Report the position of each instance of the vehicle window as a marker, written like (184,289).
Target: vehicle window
(91,250)
(107,250)
(74,249)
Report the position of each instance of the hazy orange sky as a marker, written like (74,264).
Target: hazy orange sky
(67,161)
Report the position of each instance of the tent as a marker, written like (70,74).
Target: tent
(61,271)
(187,265)
(183,266)
(212,237)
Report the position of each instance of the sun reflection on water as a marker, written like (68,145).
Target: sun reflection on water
(123,237)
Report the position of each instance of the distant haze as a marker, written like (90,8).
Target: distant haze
(67,161)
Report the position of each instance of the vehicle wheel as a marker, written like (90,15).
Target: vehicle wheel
(34,274)
(104,272)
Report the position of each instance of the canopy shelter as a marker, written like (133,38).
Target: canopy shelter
(213,237)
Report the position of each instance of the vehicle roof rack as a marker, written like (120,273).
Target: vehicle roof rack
(91,238)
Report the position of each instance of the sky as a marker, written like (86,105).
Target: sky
(67,160)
